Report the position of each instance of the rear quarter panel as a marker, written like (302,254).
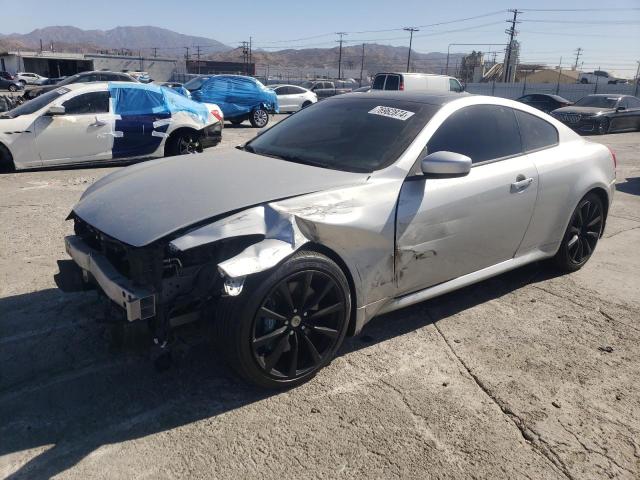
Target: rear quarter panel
(566,173)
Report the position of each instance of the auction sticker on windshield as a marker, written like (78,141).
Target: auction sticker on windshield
(391,112)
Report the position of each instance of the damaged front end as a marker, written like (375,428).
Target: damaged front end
(171,282)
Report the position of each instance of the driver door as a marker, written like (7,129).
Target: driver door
(449,227)
(83,132)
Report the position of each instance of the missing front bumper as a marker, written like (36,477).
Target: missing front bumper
(138,303)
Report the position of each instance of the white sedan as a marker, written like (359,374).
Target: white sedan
(292,98)
(105,122)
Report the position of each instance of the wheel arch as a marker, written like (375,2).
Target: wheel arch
(333,255)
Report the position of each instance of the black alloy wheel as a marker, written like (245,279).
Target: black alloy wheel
(287,323)
(603,126)
(582,235)
(298,324)
(183,143)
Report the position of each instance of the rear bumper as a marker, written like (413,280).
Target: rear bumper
(211,135)
(138,303)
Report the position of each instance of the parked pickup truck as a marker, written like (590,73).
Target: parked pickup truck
(328,88)
(599,76)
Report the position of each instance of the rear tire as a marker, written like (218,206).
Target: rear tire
(582,234)
(183,143)
(305,105)
(259,118)
(13,88)
(287,323)
(603,126)
(6,161)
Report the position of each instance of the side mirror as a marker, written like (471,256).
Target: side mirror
(621,108)
(445,164)
(56,110)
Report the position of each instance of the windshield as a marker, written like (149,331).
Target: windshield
(350,134)
(195,83)
(68,80)
(597,101)
(36,104)
(307,85)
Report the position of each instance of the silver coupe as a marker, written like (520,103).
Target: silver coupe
(356,206)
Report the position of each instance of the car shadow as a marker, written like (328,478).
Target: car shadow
(76,395)
(631,185)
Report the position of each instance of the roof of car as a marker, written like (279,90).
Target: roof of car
(434,98)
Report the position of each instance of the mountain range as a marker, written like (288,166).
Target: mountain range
(149,40)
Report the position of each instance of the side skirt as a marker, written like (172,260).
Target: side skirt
(460,282)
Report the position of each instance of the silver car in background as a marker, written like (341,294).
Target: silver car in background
(292,98)
(358,206)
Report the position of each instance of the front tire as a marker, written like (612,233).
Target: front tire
(259,118)
(13,88)
(287,323)
(583,232)
(6,162)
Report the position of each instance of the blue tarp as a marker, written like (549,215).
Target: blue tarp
(146,99)
(236,95)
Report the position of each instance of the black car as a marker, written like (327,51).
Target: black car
(602,113)
(6,75)
(84,77)
(544,101)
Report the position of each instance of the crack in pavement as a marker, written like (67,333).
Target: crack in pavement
(623,231)
(588,449)
(530,436)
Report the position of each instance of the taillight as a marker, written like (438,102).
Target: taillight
(613,157)
(401,85)
(217,114)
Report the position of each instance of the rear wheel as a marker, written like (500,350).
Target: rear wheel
(582,234)
(603,126)
(286,324)
(183,143)
(306,104)
(13,88)
(6,161)
(259,118)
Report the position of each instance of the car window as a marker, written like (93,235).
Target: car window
(295,90)
(454,85)
(633,102)
(481,132)
(598,101)
(91,77)
(535,132)
(378,82)
(138,101)
(93,102)
(354,134)
(279,90)
(393,82)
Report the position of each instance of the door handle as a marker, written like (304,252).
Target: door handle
(98,123)
(521,183)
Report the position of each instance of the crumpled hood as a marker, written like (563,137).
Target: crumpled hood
(583,110)
(148,201)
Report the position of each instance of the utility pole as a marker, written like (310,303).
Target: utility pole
(362,65)
(410,30)
(245,56)
(559,74)
(250,55)
(341,34)
(578,53)
(40,45)
(155,51)
(198,57)
(635,93)
(186,61)
(511,31)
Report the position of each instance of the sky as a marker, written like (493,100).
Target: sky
(609,34)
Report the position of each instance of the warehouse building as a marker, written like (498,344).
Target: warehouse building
(62,64)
